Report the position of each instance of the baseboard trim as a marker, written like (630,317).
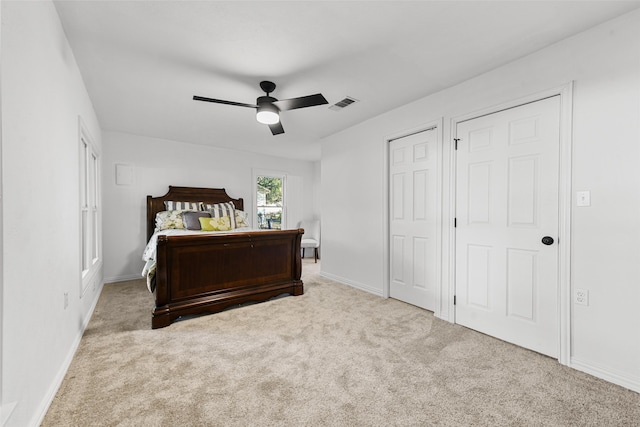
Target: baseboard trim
(445,318)
(352,283)
(611,375)
(57,381)
(124,278)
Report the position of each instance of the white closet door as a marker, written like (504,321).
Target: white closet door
(506,204)
(412,217)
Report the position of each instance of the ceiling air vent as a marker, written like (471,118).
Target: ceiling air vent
(342,104)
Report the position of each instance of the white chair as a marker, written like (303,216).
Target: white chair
(311,237)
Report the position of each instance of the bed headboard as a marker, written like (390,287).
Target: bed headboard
(186,194)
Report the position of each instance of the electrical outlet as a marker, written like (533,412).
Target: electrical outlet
(66,300)
(581,296)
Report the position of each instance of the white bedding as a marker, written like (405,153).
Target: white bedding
(149,254)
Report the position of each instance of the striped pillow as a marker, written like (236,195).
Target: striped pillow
(185,206)
(208,206)
(219,210)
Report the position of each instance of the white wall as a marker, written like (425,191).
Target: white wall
(42,96)
(3,409)
(604,63)
(159,163)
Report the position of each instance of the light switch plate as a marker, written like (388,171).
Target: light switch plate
(583,198)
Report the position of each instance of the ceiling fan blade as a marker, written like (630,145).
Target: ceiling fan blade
(220,101)
(276,128)
(302,102)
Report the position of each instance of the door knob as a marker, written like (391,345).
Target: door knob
(547,240)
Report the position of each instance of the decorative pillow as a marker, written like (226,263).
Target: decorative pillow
(184,206)
(191,219)
(219,210)
(215,224)
(223,207)
(169,219)
(242,219)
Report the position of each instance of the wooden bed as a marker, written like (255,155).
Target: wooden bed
(208,273)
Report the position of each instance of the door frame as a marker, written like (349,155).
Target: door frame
(437,126)
(564,206)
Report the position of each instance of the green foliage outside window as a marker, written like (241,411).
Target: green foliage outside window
(274,187)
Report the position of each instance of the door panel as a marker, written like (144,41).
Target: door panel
(478,261)
(522,202)
(521,283)
(413,200)
(506,201)
(479,194)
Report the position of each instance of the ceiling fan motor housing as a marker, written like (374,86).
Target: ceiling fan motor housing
(264,100)
(267,112)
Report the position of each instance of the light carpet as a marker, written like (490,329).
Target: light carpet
(335,356)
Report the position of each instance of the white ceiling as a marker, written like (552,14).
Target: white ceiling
(142,61)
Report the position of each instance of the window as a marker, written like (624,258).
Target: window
(89,208)
(270,209)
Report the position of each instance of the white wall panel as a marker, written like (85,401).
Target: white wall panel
(43,94)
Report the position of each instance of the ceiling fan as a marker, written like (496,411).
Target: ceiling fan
(268,108)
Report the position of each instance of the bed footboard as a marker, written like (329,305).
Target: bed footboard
(206,274)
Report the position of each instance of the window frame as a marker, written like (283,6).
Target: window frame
(90,228)
(270,174)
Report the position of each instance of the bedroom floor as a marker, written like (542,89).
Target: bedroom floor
(335,356)
(309,267)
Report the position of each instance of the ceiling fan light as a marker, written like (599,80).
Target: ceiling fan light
(267,114)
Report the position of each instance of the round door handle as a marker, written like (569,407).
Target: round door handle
(547,240)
